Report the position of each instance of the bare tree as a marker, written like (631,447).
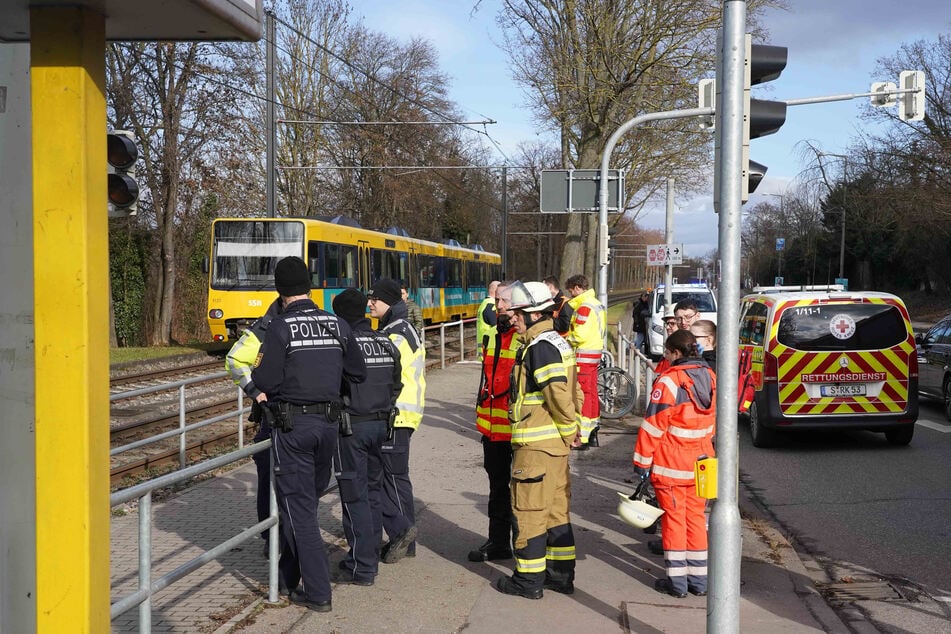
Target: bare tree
(589,66)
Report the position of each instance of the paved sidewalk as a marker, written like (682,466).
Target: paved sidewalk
(439,591)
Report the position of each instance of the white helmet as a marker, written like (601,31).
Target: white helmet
(531,297)
(636,512)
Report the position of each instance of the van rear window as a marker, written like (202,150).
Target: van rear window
(842,327)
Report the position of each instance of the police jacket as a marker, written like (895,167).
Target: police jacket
(679,423)
(544,398)
(588,328)
(240,359)
(492,415)
(641,315)
(375,397)
(412,398)
(306,354)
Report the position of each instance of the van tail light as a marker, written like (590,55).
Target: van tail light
(913,364)
(770,369)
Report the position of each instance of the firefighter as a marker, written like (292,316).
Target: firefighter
(678,429)
(492,421)
(239,361)
(587,336)
(358,462)
(399,516)
(304,358)
(545,423)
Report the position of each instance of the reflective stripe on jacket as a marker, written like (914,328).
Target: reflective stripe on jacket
(679,423)
(588,327)
(545,399)
(492,416)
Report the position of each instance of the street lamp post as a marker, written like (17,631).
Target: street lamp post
(845,190)
(782,224)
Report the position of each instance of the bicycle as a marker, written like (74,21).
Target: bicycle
(617,391)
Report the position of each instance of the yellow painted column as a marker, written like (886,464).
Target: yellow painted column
(67,70)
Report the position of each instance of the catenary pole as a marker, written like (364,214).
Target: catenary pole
(668,240)
(271,149)
(723,601)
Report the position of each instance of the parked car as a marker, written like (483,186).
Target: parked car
(934,363)
(701,295)
(826,358)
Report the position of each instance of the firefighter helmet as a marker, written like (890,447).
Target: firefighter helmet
(531,297)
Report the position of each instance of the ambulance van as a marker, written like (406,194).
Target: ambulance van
(826,358)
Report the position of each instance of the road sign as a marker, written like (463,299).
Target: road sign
(565,191)
(664,254)
(780,244)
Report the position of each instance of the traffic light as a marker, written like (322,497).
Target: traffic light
(760,117)
(121,152)
(911,105)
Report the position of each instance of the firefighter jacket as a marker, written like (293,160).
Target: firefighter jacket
(412,398)
(679,423)
(305,355)
(375,397)
(561,318)
(241,356)
(492,415)
(545,400)
(588,328)
(486,323)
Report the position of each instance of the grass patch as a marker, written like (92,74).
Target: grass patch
(125,355)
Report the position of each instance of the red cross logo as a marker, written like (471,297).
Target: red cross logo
(842,326)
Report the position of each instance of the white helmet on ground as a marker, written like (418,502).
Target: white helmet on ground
(531,297)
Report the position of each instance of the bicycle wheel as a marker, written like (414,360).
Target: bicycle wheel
(616,392)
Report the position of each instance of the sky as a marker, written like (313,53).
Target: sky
(833,48)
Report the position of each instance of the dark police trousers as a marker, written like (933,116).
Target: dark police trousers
(262,462)
(302,467)
(397,498)
(358,463)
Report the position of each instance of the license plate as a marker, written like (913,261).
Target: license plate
(849,389)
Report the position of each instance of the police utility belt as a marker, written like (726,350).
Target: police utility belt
(280,415)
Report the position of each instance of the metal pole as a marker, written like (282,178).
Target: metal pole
(269,183)
(145,561)
(723,602)
(603,180)
(668,240)
(505,223)
(845,191)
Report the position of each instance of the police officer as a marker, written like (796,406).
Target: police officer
(358,462)
(239,361)
(307,352)
(399,515)
(543,410)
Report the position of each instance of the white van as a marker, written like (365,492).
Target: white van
(699,293)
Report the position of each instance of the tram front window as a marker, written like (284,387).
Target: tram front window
(245,252)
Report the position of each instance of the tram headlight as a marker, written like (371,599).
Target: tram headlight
(216,313)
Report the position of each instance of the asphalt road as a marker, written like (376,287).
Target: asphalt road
(857,504)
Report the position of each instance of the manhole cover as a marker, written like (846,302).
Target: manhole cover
(861,591)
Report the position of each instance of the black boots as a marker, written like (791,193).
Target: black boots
(490,551)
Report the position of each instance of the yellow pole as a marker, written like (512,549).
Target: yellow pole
(70,247)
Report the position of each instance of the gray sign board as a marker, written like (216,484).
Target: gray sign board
(566,191)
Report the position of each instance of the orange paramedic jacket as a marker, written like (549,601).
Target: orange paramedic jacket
(679,423)
(492,408)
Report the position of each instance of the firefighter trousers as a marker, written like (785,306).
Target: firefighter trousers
(541,495)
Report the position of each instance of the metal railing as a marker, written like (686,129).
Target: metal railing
(634,365)
(461,323)
(143,493)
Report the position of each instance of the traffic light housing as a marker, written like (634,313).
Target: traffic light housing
(760,117)
(122,153)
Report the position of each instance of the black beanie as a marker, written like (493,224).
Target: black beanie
(387,291)
(291,277)
(350,305)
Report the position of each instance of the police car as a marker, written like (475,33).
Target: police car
(826,358)
(699,293)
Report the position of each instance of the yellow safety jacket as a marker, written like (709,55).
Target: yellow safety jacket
(240,359)
(544,403)
(412,398)
(483,328)
(589,326)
